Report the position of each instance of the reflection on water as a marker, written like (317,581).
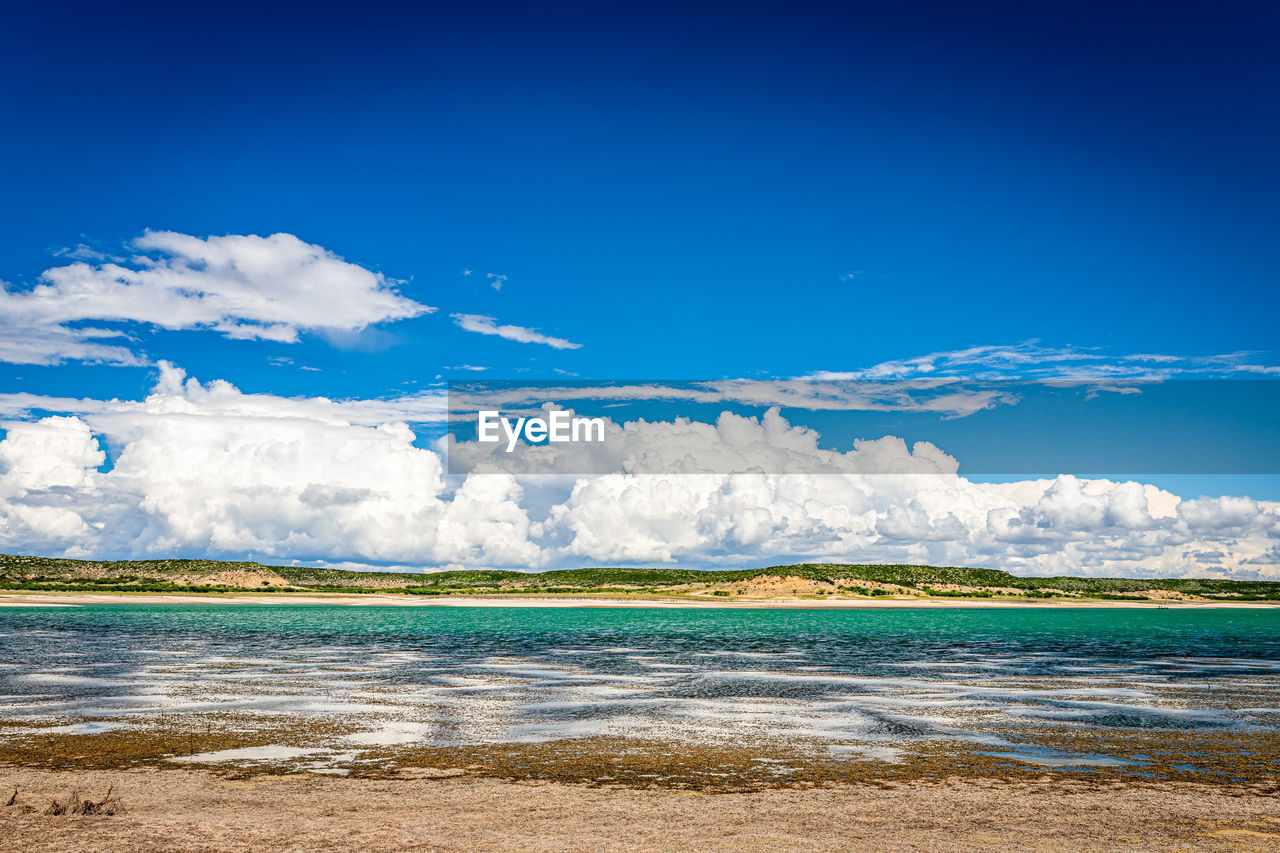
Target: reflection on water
(863,684)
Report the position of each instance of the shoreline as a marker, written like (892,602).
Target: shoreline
(73,599)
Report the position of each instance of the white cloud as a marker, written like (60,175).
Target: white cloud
(57,452)
(486,325)
(244,286)
(206,469)
(49,474)
(203,468)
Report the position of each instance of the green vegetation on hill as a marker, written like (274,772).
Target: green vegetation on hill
(40,573)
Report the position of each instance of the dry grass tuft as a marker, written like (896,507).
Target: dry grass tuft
(108,805)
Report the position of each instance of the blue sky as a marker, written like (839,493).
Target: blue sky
(652,191)
(679,191)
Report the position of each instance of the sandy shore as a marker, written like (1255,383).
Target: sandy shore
(186,810)
(65,599)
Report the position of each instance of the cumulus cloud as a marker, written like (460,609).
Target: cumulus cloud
(49,476)
(206,469)
(1072,526)
(243,286)
(485,325)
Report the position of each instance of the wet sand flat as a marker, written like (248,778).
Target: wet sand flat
(190,810)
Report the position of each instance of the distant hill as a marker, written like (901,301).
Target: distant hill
(805,580)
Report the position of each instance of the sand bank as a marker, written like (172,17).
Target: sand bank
(55,599)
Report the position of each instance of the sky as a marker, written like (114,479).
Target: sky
(307,203)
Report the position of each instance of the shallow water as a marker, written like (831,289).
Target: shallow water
(860,683)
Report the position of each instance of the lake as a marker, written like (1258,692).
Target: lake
(1192,692)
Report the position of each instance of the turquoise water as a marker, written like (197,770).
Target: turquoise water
(863,682)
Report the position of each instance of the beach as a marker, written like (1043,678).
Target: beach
(186,810)
(64,599)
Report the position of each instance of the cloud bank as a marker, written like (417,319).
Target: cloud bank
(204,469)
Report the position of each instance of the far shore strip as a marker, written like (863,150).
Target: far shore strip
(60,599)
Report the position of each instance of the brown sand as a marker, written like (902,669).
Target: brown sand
(190,810)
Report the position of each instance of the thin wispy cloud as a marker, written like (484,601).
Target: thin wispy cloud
(84,252)
(485,325)
(1031,361)
(48,344)
(940,398)
(178,396)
